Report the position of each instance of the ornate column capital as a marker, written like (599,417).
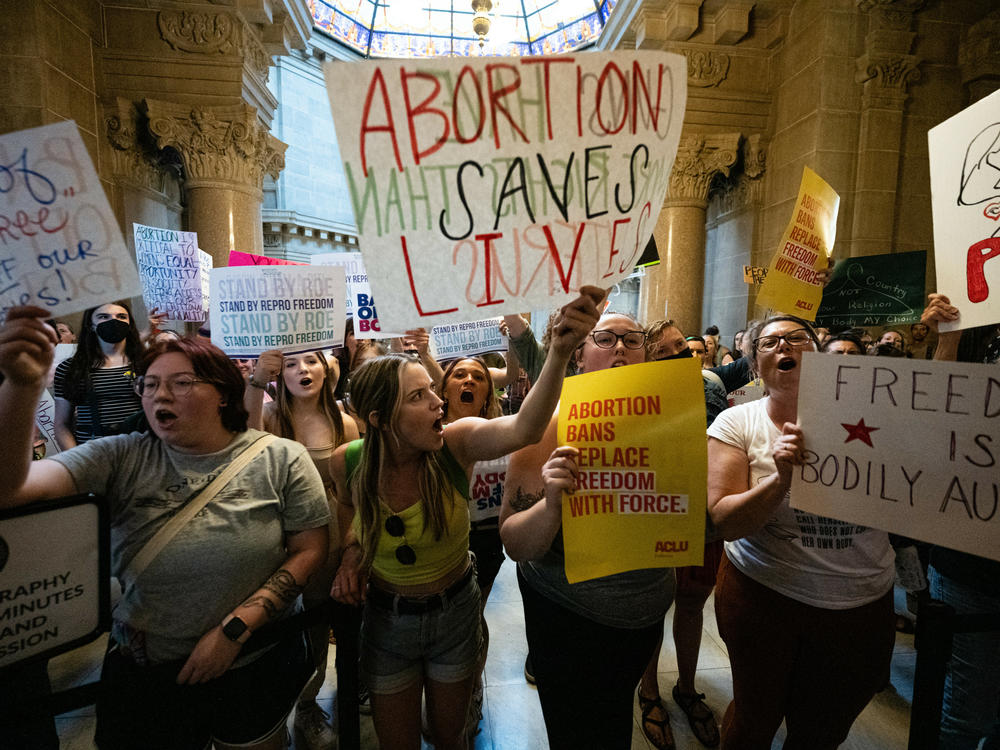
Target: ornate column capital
(217,33)
(979,57)
(886,74)
(219,146)
(699,158)
(886,67)
(132,158)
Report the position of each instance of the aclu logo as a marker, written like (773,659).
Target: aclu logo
(669,547)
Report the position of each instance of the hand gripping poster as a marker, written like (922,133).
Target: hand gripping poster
(965,200)
(495,185)
(640,495)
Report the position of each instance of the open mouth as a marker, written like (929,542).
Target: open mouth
(786,364)
(305,382)
(164,417)
(467,397)
(438,426)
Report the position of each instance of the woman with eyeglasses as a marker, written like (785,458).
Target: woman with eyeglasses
(404,514)
(177,674)
(305,409)
(804,603)
(589,641)
(93,388)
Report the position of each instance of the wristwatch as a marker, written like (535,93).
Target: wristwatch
(236,630)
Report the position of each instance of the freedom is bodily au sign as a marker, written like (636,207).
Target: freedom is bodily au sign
(495,185)
(902,445)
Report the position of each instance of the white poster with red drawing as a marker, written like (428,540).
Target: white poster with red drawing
(965,199)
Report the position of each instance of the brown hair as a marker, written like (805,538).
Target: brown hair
(491,407)
(283,426)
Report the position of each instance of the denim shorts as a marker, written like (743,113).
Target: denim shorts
(442,644)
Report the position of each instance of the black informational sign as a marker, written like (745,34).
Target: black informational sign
(54,577)
(875,290)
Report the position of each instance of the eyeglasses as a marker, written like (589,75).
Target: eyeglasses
(610,339)
(177,385)
(404,553)
(798,337)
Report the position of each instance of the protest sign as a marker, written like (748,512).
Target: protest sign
(290,308)
(360,300)
(60,245)
(54,576)
(468,339)
(486,488)
(485,186)
(791,285)
(754,274)
(965,201)
(45,418)
(875,290)
(236,258)
(171,271)
(752,391)
(640,497)
(205,267)
(857,413)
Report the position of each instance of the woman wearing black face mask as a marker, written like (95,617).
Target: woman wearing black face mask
(93,389)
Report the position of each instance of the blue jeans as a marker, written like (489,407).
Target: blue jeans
(972,681)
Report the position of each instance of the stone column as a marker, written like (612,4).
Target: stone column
(225,152)
(886,69)
(979,57)
(678,281)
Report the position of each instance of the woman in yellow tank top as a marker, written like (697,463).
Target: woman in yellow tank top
(305,409)
(405,527)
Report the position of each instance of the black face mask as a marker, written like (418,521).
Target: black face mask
(112,331)
(684,353)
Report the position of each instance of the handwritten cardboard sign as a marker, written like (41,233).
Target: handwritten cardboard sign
(45,419)
(484,186)
(171,271)
(290,308)
(360,300)
(875,290)
(965,200)
(902,445)
(60,244)
(640,497)
(791,285)
(467,339)
(236,258)
(752,391)
(53,595)
(754,274)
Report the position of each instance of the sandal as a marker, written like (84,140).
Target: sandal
(665,738)
(699,715)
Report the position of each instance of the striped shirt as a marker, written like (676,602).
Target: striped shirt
(116,400)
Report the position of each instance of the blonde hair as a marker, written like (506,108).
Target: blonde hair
(377,387)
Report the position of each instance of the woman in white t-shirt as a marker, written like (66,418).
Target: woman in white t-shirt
(804,603)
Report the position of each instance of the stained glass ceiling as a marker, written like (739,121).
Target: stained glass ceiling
(430,28)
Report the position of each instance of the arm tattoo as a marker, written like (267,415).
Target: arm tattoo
(282,584)
(523,501)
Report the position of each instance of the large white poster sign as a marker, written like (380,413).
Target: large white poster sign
(360,300)
(172,269)
(45,418)
(60,244)
(290,308)
(467,339)
(903,445)
(485,186)
(52,580)
(965,199)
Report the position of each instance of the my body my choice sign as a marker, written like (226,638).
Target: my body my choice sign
(494,185)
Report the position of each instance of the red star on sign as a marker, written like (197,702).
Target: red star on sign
(859,431)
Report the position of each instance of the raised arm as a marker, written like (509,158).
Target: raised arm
(266,369)
(939,309)
(474,439)
(420,339)
(504,376)
(736,508)
(26,349)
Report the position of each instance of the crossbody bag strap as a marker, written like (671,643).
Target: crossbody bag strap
(169,530)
